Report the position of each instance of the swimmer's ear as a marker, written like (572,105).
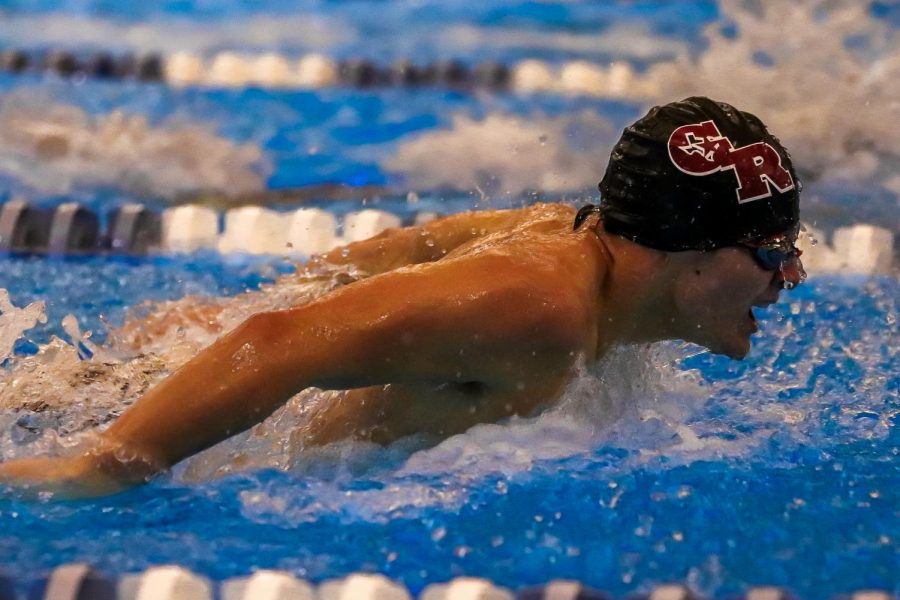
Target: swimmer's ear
(583,213)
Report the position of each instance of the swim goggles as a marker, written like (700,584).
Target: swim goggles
(771,255)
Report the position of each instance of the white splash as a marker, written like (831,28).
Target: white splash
(55,148)
(83,344)
(71,389)
(506,155)
(630,40)
(15,321)
(823,75)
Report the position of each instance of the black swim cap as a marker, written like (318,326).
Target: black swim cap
(698,175)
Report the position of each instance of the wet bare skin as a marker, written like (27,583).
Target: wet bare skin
(469,319)
(384,413)
(524,377)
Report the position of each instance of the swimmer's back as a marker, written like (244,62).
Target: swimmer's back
(514,230)
(445,236)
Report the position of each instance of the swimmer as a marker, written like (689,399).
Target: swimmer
(480,316)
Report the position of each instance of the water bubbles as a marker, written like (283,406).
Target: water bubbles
(82,344)
(243,357)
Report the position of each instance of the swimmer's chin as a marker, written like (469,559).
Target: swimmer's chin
(738,351)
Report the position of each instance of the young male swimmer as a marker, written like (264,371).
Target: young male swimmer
(483,315)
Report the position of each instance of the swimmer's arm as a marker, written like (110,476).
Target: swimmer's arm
(391,249)
(450,322)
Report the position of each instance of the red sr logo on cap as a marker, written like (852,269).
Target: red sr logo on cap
(700,149)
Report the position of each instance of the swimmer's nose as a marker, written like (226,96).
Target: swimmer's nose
(791,273)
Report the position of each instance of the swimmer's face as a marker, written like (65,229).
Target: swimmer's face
(715,299)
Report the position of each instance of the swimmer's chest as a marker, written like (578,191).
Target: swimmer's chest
(452,408)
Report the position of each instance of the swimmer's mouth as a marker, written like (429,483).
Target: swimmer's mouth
(763,303)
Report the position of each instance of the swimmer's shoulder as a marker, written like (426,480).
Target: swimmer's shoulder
(545,213)
(539,212)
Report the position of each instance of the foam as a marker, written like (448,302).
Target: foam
(827,87)
(832,104)
(504,154)
(628,40)
(606,403)
(58,148)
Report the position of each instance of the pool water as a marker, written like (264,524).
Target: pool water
(659,464)
(665,464)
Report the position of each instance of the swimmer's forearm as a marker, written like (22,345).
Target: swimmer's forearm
(101,471)
(376,331)
(230,386)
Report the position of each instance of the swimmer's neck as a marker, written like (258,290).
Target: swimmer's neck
(635,294)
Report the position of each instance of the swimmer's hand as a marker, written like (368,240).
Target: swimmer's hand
(94,473)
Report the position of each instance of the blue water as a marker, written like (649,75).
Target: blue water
(807,503)
(781,469)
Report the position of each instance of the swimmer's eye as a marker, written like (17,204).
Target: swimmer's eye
(771,256)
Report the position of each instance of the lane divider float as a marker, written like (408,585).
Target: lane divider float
(271,70)
(70,229)
(171,582)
